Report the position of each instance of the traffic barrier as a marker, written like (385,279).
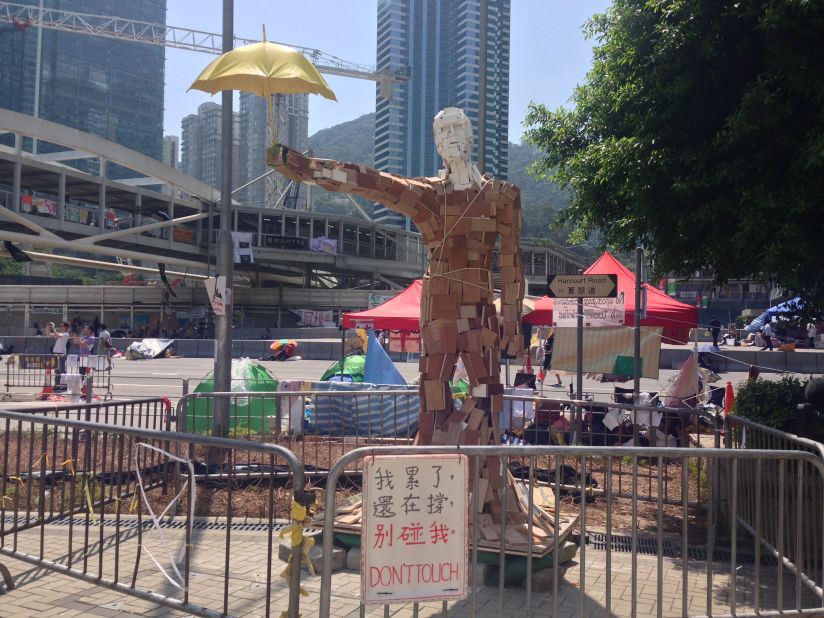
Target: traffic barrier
(778,500)
(134,510)
(40,371)
(626,557)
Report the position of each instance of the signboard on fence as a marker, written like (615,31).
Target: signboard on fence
(597,311)
(414,544)
(37,361)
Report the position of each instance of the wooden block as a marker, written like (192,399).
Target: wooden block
(471,293)
(463,325)
(490,534)
(488,338)
(453,433)
(483,225)
(479,390)
(486,433)
(494,474)
(444,307)
(434,394)
(475,419)
(470,437)
(447,367)
(468,311)
(483,485)
(436,285)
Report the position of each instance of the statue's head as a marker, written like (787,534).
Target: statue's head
(453,135)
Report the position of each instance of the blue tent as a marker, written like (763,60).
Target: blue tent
(790,306)
(379,368)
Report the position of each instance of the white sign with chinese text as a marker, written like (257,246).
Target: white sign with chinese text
(597,311)
(414,544)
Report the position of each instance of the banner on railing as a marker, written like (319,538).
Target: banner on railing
(414,546)
(312,317)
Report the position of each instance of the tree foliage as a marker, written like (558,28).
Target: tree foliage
(699,132)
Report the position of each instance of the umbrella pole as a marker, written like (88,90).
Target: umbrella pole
(273,127)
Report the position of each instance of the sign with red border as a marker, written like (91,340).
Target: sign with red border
(415,543)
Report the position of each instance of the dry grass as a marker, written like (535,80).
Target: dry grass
(108,463)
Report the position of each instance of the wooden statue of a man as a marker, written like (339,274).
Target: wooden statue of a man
(460,215)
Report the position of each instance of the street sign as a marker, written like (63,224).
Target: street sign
(582,286)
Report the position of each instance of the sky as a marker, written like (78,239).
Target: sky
(549,54)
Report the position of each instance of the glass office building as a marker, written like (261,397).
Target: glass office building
(457,54)
(110,88)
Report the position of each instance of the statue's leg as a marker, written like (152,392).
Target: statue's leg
(437,365)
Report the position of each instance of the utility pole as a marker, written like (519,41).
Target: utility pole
(225,254)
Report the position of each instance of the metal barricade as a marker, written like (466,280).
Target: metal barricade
(152,514)
(30,371)
(99,367)
(149,413)
(632,558)
(338,421)
(778,497)
(386,418)
(40,372)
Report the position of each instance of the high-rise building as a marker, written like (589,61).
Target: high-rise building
(457,53)
(171,147)
(292,114)
(201,145)
(113,89)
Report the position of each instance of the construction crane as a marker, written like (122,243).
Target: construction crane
(122,29)
(23,16)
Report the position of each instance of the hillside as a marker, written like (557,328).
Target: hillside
(349,141)
(354,141)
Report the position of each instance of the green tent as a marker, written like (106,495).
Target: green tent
(246,414)
(353,366)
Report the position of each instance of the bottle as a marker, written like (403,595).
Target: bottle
(307,410)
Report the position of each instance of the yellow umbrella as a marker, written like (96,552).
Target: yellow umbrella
(263,69)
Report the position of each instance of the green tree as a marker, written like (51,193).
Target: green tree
(699,132)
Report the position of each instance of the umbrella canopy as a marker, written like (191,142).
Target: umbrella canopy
(277,344)
(263,69)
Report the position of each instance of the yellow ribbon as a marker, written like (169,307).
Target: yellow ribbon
(299,516)
(39,459)
(70,462)
(88,494)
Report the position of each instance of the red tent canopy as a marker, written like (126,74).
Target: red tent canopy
(675,317)
(401,312)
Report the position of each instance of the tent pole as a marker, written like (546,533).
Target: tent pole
(342,349)
(636,387)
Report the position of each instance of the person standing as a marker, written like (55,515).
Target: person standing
(85,344)
(811,335)
(715,330)
(768,335)
(60,334)
(104,341)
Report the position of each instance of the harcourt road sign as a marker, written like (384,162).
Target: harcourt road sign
(582,286)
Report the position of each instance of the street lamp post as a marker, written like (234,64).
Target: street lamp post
(225,257)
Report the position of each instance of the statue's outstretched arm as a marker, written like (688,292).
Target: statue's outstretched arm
(512,273)
(404,195)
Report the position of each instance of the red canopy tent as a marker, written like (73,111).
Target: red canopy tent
(401,312)
(675,317)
